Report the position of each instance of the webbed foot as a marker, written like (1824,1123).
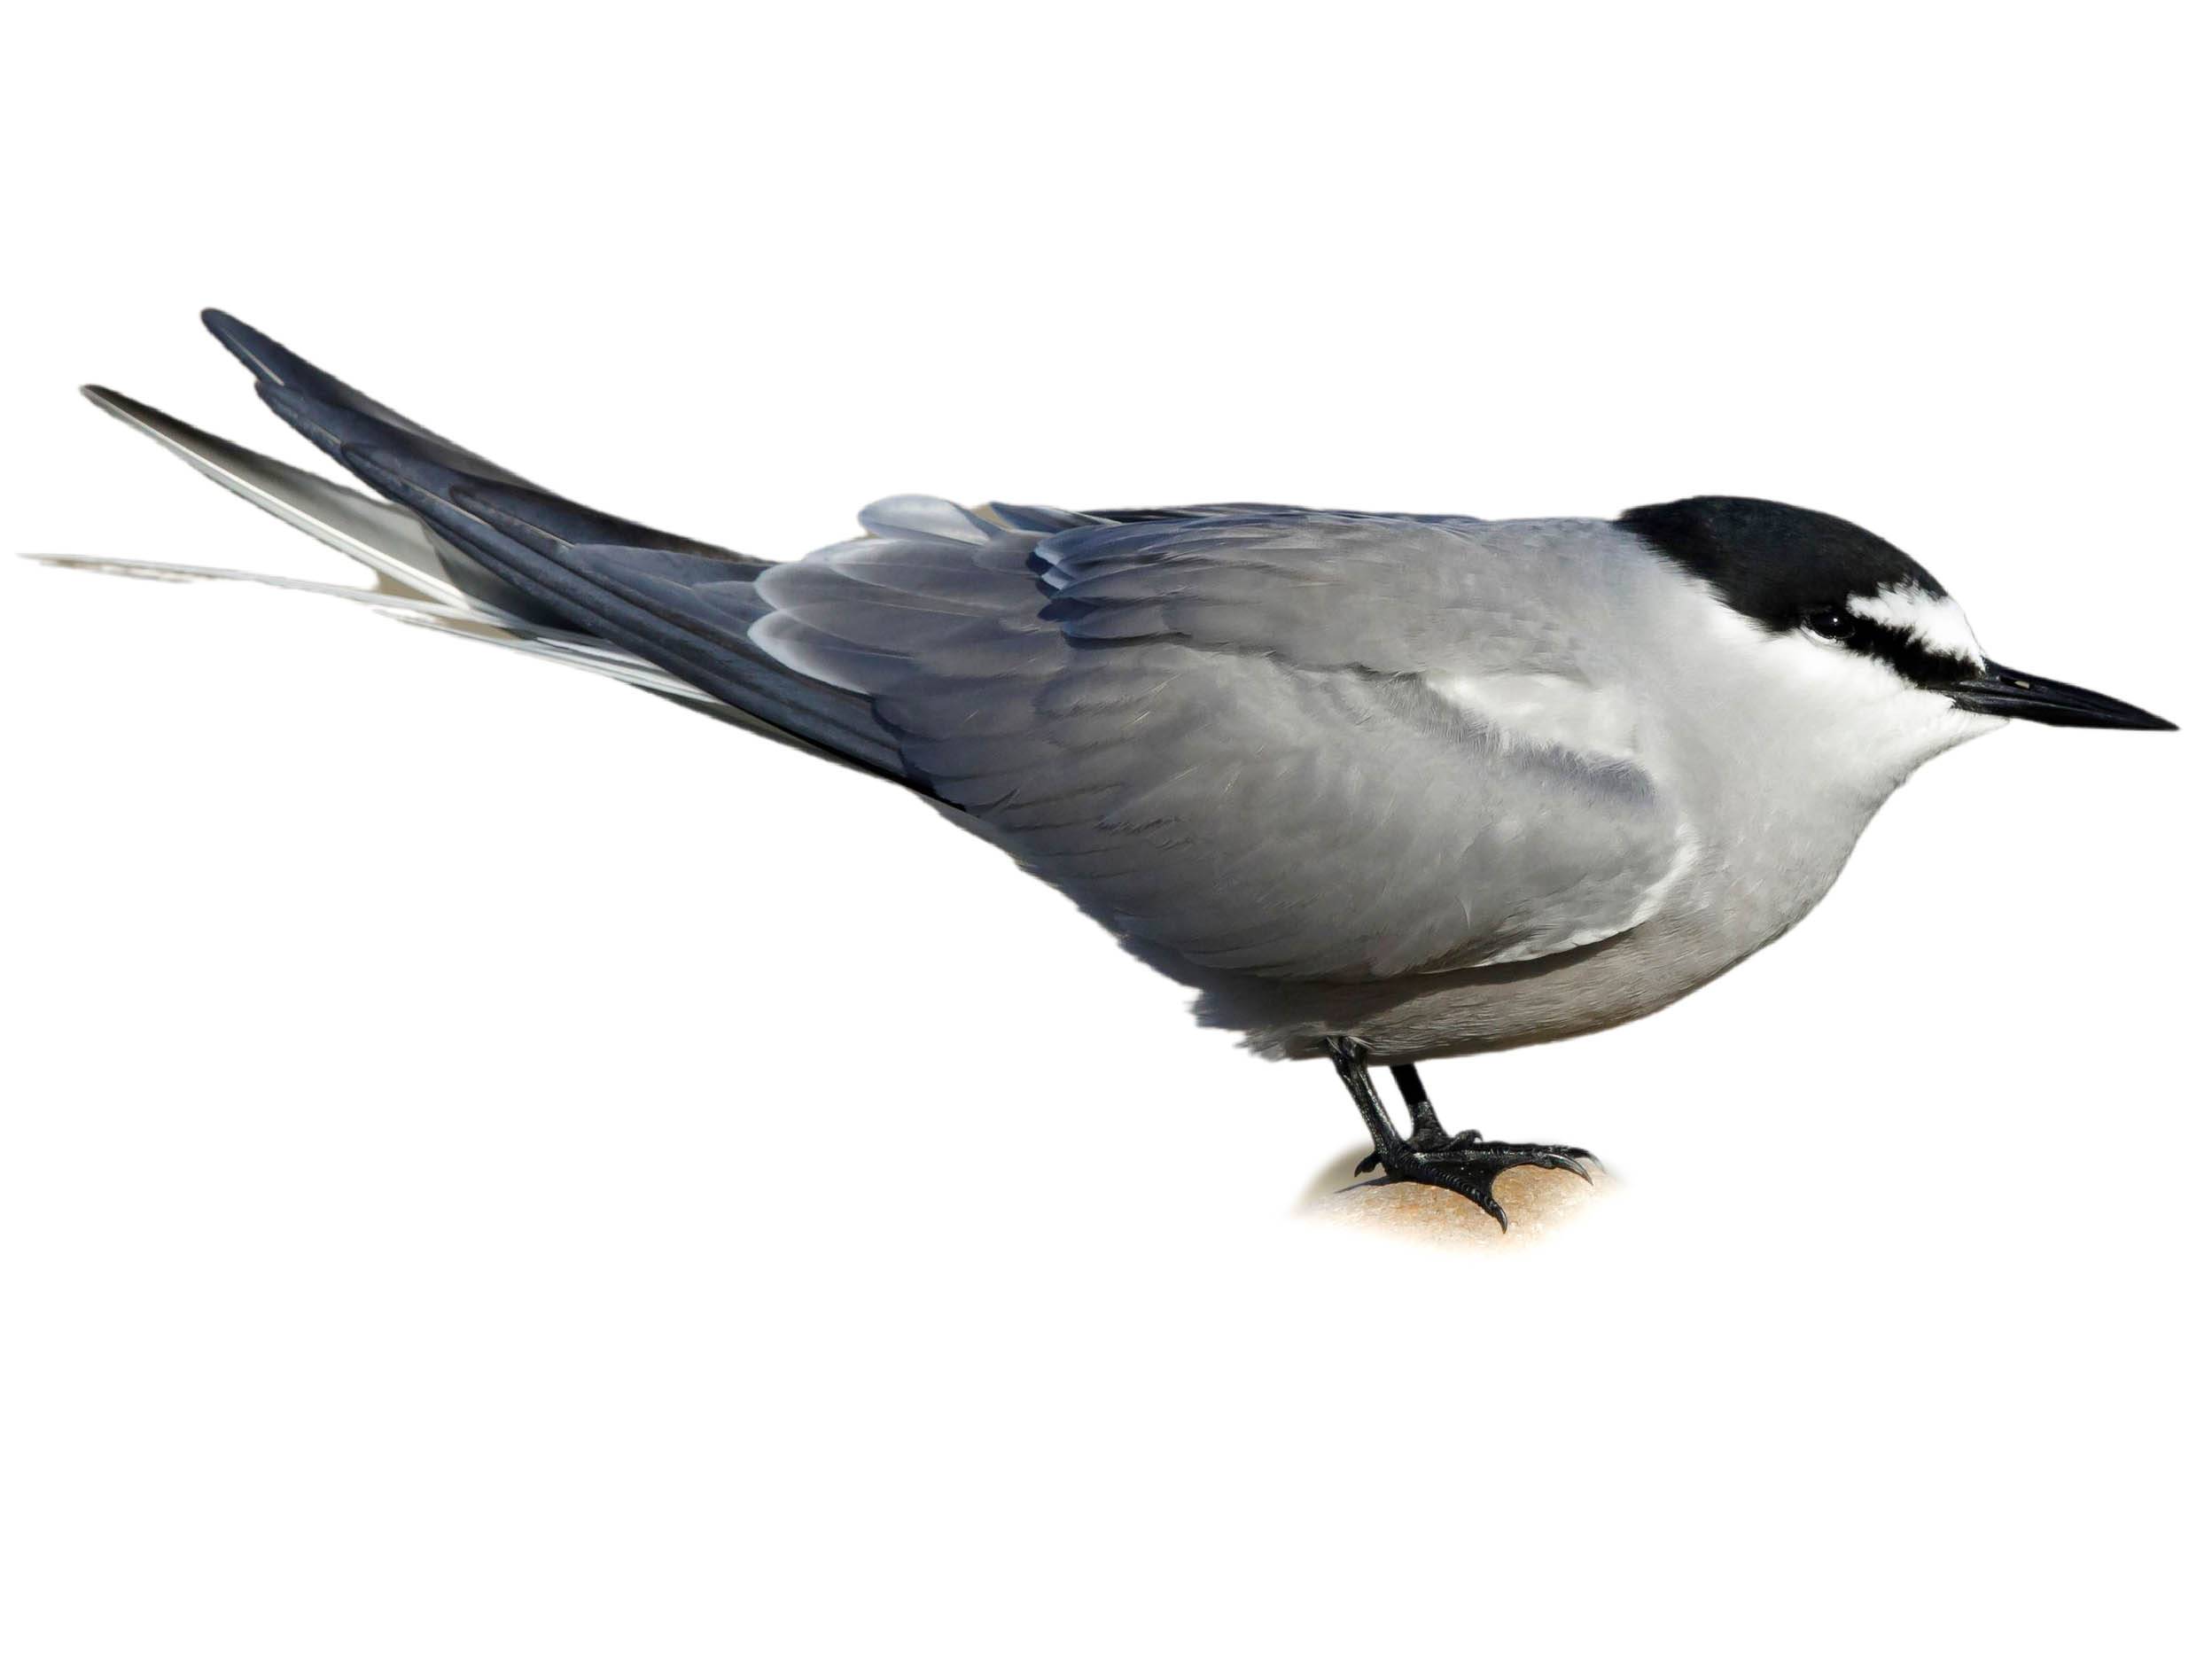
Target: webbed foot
(1470,1165)
(1464,1162)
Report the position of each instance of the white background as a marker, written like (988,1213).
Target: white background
(493,1164)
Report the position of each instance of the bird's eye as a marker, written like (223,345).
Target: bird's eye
(1830,623)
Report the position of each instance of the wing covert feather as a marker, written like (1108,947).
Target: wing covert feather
(1225,736)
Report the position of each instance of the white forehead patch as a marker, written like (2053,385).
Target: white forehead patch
(1935,621)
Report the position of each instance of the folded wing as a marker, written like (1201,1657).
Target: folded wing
(1252,739)
(1321,746)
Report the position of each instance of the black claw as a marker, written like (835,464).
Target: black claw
(1563,1161)
(1374,1160)
(1483,1196)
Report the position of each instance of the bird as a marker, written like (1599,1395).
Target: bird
(1378,788)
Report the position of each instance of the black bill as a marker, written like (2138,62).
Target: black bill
(2016,695)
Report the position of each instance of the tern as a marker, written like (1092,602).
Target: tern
(1379,788)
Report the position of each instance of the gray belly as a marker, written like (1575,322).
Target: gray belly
(1719,917)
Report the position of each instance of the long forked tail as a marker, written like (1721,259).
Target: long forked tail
(472,551)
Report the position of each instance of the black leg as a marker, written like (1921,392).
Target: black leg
(1464,1162)
(1426,1128)
(1351,1069)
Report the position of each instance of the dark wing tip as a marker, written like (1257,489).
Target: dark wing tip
(264,355)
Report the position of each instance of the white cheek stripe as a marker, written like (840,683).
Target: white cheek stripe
(1937,623)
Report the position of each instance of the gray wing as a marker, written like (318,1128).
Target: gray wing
(1311,745)
(1326,746)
